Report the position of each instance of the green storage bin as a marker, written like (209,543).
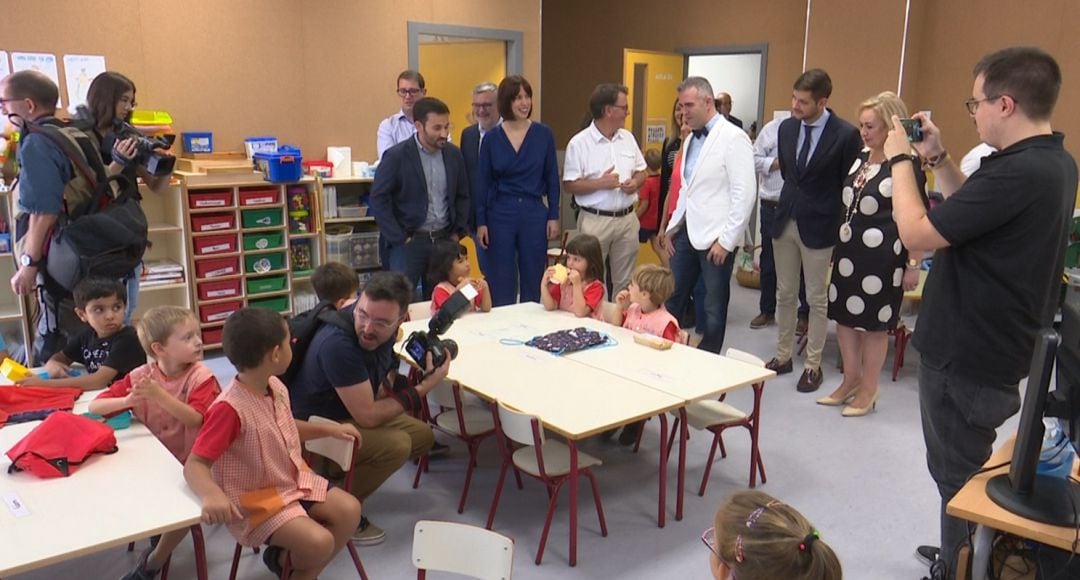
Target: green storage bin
(263,263)
(264,240)
(264,285)
(261,218)
(277,304)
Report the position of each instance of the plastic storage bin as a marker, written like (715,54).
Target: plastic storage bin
(217,267)
(319,168)
(198,142)
(208,199)
(264,285)
(210,313)
(261,218)
(212,336)
(263,144)
(218,290)
(213,222)
(263,263)
(282,166)
(207,245)
(359,250)
(263,241)
(249,197)
(277,304)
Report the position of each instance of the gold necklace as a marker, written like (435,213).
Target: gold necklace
(860,184)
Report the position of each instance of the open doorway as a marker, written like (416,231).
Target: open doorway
(738,71)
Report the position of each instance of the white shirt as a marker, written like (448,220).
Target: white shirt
(393,130)
(766,150)
(973,160)
(815,135)
(590,154)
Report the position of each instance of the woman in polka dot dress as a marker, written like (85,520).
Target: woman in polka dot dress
(870,267)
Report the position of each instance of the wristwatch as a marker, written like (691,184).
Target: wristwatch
(27,262)
(913,264)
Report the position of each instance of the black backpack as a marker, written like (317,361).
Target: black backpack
(302,328)
(102,230)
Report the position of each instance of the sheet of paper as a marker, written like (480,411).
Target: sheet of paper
(15,505)
(79,71)
(39,61)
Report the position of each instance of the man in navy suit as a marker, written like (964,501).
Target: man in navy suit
(421,193)
(485,111)
(816,150)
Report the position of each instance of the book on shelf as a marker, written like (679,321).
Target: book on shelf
(161,266)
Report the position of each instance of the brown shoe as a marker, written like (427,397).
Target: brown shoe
(762,320)
(810,381)
(780,368)
(802,325)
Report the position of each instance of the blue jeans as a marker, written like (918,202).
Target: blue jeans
(133,292)
(960,416)
(767,303)
(689,266)
(412,258)
(517,250)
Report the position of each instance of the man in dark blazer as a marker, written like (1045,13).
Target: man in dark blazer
(723,106)
(816,150)
(486,113)
(421,193)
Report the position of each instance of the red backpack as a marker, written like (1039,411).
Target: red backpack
(59,444)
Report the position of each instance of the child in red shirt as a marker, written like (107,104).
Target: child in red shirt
(648,205)
(246,463)
(582,290)
(170,395)
(448,269)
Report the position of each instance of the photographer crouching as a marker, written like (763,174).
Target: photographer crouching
(348,373)
(111,101)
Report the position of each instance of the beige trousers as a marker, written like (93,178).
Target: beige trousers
(618,240)
(791,255)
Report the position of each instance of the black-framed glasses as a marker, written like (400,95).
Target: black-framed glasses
(972,105)
(625,108)
(409,92)
(483,105)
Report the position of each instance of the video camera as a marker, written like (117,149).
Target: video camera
(149,151)
(420,343)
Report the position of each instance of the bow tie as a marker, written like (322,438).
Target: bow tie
(702,132)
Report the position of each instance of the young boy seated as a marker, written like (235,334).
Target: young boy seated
(170,395)
(107,348)
(246,463)
(336,283)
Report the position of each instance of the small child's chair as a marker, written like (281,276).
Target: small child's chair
(461,549)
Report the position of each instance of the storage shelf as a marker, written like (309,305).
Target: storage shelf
(163,227)
(303,236)
(285,292)
(349,179)
(213,233)
(211,325)
(156,287)
(262,206)
(6,315)
(261,274)
(5,255)
(240,296)
(220,278)
(276,250)
(216,255)
(305,276)
(340,220)
(265,229)
(220,209)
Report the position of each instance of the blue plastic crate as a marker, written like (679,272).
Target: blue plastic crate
(281,167)
(198,142)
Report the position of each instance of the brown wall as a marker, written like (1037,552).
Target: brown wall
(857,41)
(311,73)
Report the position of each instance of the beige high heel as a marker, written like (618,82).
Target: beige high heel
(829,401)
(851,411)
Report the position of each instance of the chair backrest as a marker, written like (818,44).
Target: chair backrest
(462,549)
(339,451)
(420,310)
(744,357)
(519,427)
(443,395)
(610,310)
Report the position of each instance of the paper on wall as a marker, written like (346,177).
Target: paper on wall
(5,66)
(79,71)
(341,158)
(42,62)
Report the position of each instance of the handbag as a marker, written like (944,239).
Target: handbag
(747,269)
(57,446)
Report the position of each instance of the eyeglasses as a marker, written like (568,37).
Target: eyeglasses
(482,105)
(972,105)
(363,318)
(409,92)
(625,108)
(11,100)
(708,537)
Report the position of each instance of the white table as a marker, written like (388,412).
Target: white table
(109,501)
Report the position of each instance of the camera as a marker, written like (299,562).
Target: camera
(913,128)
(420,343)
(149,151)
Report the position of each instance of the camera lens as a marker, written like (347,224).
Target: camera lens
(451,347)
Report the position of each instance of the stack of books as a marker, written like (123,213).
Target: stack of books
(161,272)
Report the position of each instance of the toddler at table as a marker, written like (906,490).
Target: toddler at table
(246,463)
(582,290)
(170,395)
(448,270)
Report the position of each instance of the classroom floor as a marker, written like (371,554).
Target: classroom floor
(861,481)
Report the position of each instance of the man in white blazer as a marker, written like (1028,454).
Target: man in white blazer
(719,187)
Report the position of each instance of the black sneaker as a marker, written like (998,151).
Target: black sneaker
(141,572)
(928,554)
(272,559)
(938,571)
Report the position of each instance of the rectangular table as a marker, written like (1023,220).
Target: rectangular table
(109,501)
(609,386)
(971,503)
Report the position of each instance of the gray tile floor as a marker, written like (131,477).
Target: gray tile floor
(861,481)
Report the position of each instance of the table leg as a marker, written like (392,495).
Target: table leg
(980,551)
(573,500)
(662,513)
(684,436)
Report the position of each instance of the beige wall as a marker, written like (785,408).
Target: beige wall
(311,73)
(857,41)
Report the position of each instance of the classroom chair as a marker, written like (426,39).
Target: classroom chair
(461,549)
(468,423)
(541,458)
(339,451)
(717,416)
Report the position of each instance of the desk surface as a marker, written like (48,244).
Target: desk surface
(971,503)
(111,500)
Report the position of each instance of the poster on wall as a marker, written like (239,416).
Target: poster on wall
(79,70)
(5,67)
(655,132)
(39,61)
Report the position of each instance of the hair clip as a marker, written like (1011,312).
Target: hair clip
(809,540)
(739,557)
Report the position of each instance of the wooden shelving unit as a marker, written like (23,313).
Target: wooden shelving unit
(165,214)
(14,324)
(360,249)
